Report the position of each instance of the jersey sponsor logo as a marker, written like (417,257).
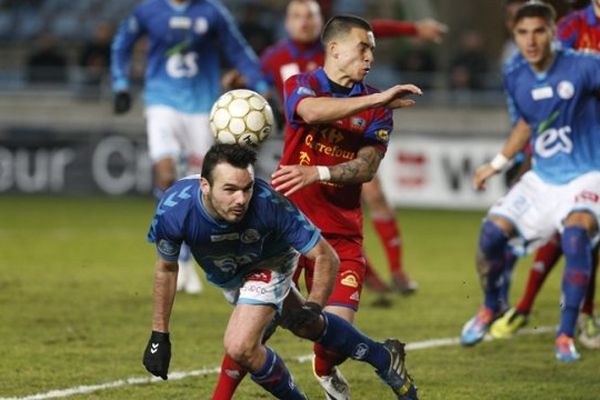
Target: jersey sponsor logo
(200,25)
(542,93)
(289,70)
(383,135)
(350,279)
(250,236)
(260,275)
(180,22)
(565,90)
(304,91)
(225,236)
(167,247)
(553,141)
(326,148)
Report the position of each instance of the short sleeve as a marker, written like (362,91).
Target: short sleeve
(296,89)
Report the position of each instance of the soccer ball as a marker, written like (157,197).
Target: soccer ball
(241,116)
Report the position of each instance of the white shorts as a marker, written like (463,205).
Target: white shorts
(183,137)
(537,209)
(267,283)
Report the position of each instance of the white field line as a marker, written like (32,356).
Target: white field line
(174,376)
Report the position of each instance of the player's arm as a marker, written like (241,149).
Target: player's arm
(326,268)
(121,48)
(290,178)
(426,29)
(319,110)
(516,142)
(157,354)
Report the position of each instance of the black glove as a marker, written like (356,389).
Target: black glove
(303,316)
(158,354)
(122,102)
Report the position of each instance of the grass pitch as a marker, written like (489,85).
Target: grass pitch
(75,300)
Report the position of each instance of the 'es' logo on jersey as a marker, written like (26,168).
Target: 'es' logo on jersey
(552,141)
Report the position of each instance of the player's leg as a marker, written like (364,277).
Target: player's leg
(384,221)
(338,336)
(372,280)
(493,245)
(589,329)
(517,317)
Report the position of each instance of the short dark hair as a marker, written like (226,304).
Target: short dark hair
(342,24)
(536,8)
(234,154)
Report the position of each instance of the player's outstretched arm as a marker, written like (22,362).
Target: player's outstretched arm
(326,268)
(291,178)
(319,110)
(515,143)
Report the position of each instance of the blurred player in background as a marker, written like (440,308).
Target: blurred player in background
(333,159)
(556,107)
(247,238)
(579,30)
(181,84)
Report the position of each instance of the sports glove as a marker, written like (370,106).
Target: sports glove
(303,316)
(122,102)
(157,355)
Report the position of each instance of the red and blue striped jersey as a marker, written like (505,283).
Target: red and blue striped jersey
(334,208)
(580,30)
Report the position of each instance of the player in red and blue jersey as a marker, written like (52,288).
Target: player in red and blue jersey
(301,52)
(579,30)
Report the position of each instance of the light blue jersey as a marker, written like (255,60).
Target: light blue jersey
(185,42)
(562,107)
(227,252)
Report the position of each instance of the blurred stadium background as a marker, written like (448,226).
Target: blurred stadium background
(75,284)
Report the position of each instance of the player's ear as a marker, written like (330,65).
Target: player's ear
(204,186)
(333,49)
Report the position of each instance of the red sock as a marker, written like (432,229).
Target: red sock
(372,280)
(588,303)
(389,234)
(325,360)
(545,259)
(230,377)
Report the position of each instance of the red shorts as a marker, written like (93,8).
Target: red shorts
(351,273)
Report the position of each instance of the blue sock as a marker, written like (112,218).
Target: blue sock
(510,259)
(276,379)
(577,250)
(493,244)
(339,335)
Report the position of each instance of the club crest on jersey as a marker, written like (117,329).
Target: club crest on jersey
(180,22)
(168,248)
(250,236)
(383,135)
(565,90)
(357,122)
(200,25)
(350,280)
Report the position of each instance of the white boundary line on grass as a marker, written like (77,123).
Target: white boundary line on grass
(174,376)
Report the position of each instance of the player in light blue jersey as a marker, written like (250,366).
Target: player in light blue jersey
(248,238)
(553,96)
(181,84)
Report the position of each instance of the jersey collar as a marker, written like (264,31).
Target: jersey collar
(357,90)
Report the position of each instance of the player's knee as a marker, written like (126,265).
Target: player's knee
(242,352)
(492,238)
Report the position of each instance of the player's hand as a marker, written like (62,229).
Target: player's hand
(122,102)
(233,79)
(304,316)
(481,175)
(431,30)
(157,355)
(291,178)
(394,97)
